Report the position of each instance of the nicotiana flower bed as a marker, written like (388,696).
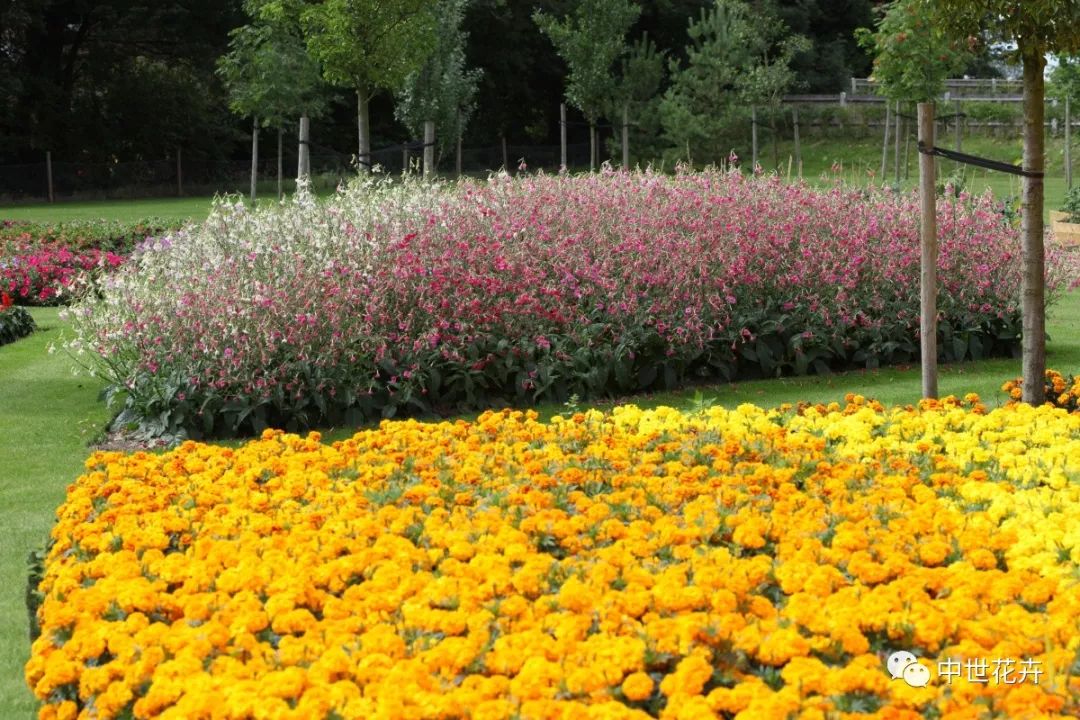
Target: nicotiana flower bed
(724,563)
(412,297)
(50,264)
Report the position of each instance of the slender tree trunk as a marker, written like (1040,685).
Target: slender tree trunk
(798,148)
(896,144)
(625,138)
(429,148)
(562,136)
(775,147)
(753,140)
(907,152)
(928,285)
(592,147)
(303,157)
(254,156)
(363,131)
(280,163)
(1033,305)
(885,142)
(1068,145)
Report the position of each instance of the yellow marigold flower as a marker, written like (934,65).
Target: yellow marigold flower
(637,686)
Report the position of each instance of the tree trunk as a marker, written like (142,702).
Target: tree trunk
(280,163)
(303,157)
(775,147)
(885,142)
(928,284)
(1033,307)
(1068,145)
(753,140)
(625,138)
(254,156)
(798,148)
(592,147)
(896,145)
(460,132)
(429,148)
(562,136)
(363,131)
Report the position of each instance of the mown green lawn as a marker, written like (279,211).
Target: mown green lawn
(859,158)
(48,415)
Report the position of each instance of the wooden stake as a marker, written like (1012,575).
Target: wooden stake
(506,157)
(48,173)
(179,173)
(562,136)
(460,132)
(280,162)
(928,261)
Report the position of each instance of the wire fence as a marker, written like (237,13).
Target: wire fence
(30,182)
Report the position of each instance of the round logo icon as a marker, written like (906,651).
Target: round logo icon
(898,661)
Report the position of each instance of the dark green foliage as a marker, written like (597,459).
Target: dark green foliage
(15,323)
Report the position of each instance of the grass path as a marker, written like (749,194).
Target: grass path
(46,416)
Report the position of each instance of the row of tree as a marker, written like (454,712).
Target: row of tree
(97,80)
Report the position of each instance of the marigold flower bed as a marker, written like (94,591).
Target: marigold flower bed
(746,563)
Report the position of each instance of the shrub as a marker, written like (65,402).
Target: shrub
(635,564)
(419,298)
(1072,205)
(15,322)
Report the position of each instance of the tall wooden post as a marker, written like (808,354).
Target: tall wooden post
(928,261)
(429,148)
(562,136)
(179,173)
(505,154)
(254,156)
(885,142)
(798,147)
(303,156)
(280,162)
(753,139)
(625,138)
(48,173)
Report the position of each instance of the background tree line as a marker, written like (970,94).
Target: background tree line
(105,80)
